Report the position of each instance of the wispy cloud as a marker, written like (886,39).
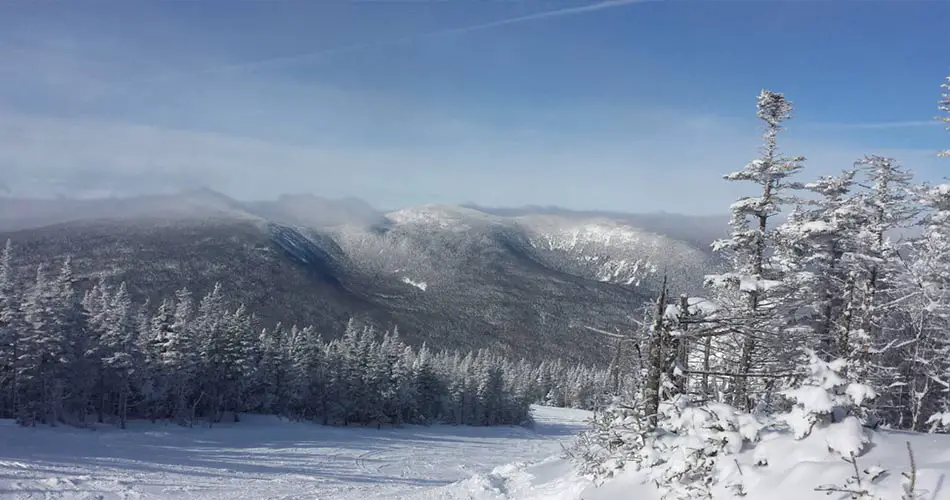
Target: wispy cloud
(568,11)
(876,125)
(474,162)
(356,47)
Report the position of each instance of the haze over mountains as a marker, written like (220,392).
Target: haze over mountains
(526,280)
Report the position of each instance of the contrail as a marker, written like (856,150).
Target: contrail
(316,54)
(607,4)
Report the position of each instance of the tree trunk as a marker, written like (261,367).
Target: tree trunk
(678,364)
(655,362)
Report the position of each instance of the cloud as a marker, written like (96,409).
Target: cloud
(876,125)
(568,11)
(475,162)
(349,48)
(66,130)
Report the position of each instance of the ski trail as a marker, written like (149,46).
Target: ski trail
(266,458)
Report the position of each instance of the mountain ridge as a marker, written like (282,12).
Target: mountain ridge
(450,276)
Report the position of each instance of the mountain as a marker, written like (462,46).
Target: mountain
(698,230)
(450,276)
(25,213)
(313,211)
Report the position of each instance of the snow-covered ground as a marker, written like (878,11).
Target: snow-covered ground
(263,458)
(795,469)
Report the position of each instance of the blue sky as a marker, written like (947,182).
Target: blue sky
(623,105)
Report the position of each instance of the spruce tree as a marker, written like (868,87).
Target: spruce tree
(944,107)
(10,333)
(750,288)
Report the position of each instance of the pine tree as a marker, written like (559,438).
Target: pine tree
(10,333)
(180,358)
(273,367)
(95,309)
(827,400)
(119,351)
(44,350)
(877,268)
(69,325)
(750,288)
(813,244)
(930,267)
(944,107)
(430,390)
(154,337)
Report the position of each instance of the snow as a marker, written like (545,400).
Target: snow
(607,250)
(751,283)
(448,217)
(266,458)
(421,285)
(794,470)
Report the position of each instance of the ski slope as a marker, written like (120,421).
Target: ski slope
(266,458)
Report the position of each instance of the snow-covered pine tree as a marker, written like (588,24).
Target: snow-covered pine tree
(827,401)
(944,107)
(119,350)
(490,391)
(69,322)
(10,332)
(240,347)
(40,374)
(931,267)
(156,381)
(310,374)
(180,358)
(215,375)
(273,369)
(95,304)
(747,293)
(430,389)
(871,332)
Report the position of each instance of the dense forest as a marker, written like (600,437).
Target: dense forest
(79,358)
(833,320)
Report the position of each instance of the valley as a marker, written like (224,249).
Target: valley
(451,277)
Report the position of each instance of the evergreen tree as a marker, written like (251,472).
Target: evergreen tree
(119,350)
(944,107)
(751,289)
(41,361)
(10,333)
(813,245)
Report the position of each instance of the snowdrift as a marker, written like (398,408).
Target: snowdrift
(795,469)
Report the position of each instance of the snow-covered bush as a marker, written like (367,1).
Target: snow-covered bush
(614,441)
(694,441)
(827,400)
(681,456)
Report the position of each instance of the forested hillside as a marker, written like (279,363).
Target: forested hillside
(446,276)
(76,358)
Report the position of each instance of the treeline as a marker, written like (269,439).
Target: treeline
(75,358)
(835,320)
(859,271)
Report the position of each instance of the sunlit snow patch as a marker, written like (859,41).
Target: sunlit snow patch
(421,285)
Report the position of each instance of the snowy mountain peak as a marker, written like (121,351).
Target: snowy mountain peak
(611,251)
(443,217)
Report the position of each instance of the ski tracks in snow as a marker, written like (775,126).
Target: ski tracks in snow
(265,458)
